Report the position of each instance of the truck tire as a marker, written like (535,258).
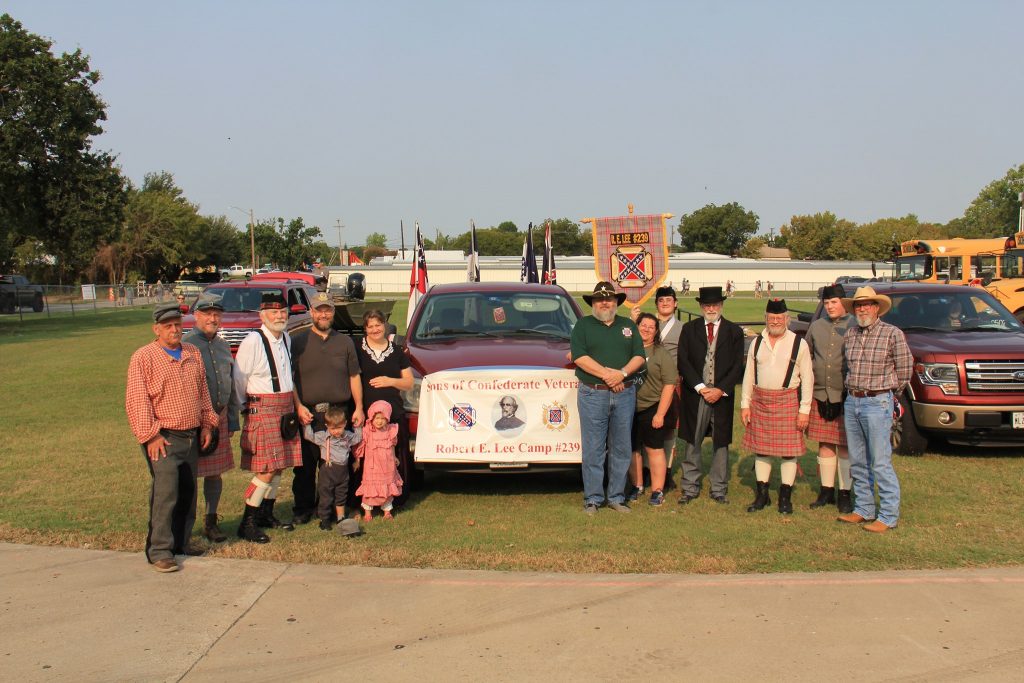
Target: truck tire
(37,303)
(905,437)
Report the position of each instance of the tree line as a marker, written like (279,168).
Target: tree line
(67,212)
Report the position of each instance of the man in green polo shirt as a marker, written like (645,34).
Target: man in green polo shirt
(607,350)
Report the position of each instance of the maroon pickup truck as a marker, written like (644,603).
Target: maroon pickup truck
(967,386)
(241,301)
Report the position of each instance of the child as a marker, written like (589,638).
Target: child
(381,481)
(335,444)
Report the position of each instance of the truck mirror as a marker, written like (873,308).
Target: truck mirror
(183,308)
(297,309)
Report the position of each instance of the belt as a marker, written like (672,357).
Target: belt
(321,407)
(866,394)
(605,387)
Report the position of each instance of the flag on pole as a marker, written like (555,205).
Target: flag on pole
(354,260)
(528,271)
(418,279)
(473,268)
(548,275)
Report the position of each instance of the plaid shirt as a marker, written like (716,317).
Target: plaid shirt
(877,357)
(164,393)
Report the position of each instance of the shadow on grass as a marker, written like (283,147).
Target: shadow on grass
(529,483)
(13,331)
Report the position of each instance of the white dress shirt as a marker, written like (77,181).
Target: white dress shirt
(252,371)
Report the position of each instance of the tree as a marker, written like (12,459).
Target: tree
(717,229)
(492,242)
(752,249)
(994,212)
(377,239)
(56,189)
(507,226)
(567,237)
(822,236)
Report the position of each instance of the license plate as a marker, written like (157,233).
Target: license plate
(512,465)
(1018,420)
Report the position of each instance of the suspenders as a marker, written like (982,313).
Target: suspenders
(792,360)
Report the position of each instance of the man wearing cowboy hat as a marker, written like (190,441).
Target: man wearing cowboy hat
(879,364)
(710,366)
(607,350)
(825,339)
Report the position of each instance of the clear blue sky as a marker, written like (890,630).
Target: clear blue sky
(373,112)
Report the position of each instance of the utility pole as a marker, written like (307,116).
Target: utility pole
(339,225)
(252,239)
(401,229)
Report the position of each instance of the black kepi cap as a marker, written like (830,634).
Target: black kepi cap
(776,306)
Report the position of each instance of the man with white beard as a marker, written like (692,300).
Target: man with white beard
(778,386)
(879,364)
(710,362)
(263,382)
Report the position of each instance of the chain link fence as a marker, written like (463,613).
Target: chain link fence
(43,301)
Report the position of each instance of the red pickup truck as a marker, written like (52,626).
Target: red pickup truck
(967,386)
(241,300)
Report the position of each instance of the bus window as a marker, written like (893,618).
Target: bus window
(912,268)
(1011,264)
(983,265)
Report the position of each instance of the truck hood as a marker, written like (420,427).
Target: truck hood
(966,344)
(489,352)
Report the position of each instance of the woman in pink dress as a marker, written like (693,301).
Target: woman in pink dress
(381,481)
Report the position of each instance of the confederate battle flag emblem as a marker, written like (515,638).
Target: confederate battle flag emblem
(632,252)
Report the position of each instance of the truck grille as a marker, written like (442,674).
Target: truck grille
(995,375)
(234,336)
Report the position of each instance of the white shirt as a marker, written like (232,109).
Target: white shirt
(252,371)
(773,363)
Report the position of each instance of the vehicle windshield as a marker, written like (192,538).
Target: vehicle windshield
(241,299)
(1011,263)
(911,268)
(972,309)
(502,314)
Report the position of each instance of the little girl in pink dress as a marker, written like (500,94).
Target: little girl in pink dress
(381,481)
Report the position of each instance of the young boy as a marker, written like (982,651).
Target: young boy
(335,445)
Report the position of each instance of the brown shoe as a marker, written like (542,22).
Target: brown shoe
(852,518)
(166,565)
(193,550)
(877,527)
(211,531)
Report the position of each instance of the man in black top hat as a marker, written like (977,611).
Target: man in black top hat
(710,366)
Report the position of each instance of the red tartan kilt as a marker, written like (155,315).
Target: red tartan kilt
(772,429)
(824,431)
(222,459)
(263,449)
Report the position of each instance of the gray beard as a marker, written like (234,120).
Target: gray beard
(605,317)
(711,317)
(277,326)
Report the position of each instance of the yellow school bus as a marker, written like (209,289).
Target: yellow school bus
(1008,289)
(956,261)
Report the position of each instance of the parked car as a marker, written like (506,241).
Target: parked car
(17,292)
(241,301)
(494,388)
(190,289)
(967,386)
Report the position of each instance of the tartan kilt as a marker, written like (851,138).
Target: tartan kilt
(223,458)
(824,431)
(772,429)
(263,449)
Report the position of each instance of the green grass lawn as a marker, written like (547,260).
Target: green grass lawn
(72,475)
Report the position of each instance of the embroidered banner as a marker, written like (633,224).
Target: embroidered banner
(503,417)
(632,253)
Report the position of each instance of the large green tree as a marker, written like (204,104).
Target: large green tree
(994,212)
(816,236)
(288,244)
(717,229)
(55,188)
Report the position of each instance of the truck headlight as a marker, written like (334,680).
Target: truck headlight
(946,376)
(411,398)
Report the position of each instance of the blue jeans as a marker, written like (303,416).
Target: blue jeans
(606,420)
(868,423)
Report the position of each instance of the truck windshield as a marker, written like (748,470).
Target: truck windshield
(240,299)
(912,268)
(469,314)
(973,309)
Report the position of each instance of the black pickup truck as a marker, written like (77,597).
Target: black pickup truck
(16,291)
(967,386)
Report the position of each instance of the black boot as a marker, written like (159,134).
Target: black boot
(211,531)
(827,496)
(265,518)
(844,503)
(247,530)
(761,499)
(785,504)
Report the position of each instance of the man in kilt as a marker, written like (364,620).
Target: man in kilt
(170,414)
(217,360)
(263,380)
(778,385)
(825,339)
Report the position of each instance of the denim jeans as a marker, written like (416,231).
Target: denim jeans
(606,420)
(868,423)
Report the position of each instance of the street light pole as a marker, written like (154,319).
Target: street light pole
(252,235)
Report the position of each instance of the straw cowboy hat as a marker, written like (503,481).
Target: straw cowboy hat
(868,294)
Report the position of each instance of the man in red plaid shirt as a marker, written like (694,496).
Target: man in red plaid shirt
(170,413)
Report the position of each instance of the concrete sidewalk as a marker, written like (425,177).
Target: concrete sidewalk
(89,615)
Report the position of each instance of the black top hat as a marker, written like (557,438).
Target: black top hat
(710,295)
(165,312)
(604,290)
(776,306)
(664,291)
(832,292)
(271,300)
